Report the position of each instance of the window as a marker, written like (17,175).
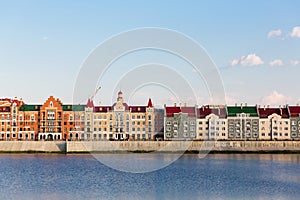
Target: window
(168,123)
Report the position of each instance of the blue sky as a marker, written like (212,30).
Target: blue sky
(255,45)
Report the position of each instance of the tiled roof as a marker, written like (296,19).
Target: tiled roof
(170,111)
(294,111)
(265,112)
(206,110)
(137,108)
(30,107)
(73,107)
(234,110)
(102,108)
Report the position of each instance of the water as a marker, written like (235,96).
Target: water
(226,176)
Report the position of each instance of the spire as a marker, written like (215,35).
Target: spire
(150,103)
(90,103)
(120,96)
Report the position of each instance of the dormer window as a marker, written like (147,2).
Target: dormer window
(51,104)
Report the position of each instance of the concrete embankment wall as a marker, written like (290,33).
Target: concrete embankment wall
(175,146)
(33,146)
(147,146)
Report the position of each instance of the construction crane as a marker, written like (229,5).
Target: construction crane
(92,96)
(96,91)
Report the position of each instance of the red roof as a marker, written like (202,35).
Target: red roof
(150,103)
(137,108)
(102,108)
(170,111)
(206,110)
(265,112)
(294,111)
(90,104)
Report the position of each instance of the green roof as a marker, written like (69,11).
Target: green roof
(73,107)
(30,107)
(234,110)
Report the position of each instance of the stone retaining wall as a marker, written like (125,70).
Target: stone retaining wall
(32,146)
(146,146)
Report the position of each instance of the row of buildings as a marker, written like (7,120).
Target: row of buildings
(54,120)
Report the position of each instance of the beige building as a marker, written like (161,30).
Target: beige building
(211,123)
(274,123)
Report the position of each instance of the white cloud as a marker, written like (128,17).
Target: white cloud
(276,98)
(274,33)
(276,62)
(294,62)
(296,32)
(45,38)
(249,60)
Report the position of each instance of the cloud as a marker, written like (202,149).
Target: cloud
(296,32)
(249,60)
(274,33)
(276,62)
(276,98)
(45,38)
(294,62)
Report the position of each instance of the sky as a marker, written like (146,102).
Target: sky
(255,46)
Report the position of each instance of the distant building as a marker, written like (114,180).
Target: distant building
(211,123)
(180,123)
(243,122)
(274,123)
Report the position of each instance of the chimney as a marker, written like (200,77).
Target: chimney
(184,104)
(264,107)
(174,104)
(241,105)
(235,104)
(268,106)
(245,104)
(202,108)
(280,111)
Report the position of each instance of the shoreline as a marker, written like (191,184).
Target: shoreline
(127,147)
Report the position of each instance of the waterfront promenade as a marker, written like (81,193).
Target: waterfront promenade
(149,146)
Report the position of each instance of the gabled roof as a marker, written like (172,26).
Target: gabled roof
(207,110)
(137,108)
(170,111)
(234,110)
(102,108)
(73,107)
(294,111)
(265,112)
(30,107)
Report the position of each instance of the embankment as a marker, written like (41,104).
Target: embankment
(149,146)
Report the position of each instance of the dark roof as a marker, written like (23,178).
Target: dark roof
(170,111)
(102,108)
(207,110)
(234,110)
(5,109)
(294,111)
(265,112)
(30,107)
(137,108)
(73,107)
